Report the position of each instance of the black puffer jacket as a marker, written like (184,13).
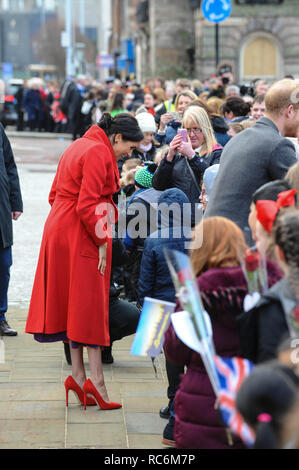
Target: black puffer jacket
(264,327)
(176,174)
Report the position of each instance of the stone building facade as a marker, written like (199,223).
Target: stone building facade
(258,40)
(164,33)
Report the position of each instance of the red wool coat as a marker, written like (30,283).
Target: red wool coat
(69,293)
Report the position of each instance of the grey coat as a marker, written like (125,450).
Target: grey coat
(252,158)
(10,192)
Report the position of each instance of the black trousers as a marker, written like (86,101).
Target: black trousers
(131,276)
(5,264)
(173,375)
(123,318)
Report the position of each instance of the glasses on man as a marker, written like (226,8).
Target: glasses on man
(195,130)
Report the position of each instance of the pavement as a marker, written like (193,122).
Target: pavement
(33,414)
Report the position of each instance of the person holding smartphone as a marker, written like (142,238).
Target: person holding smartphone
(191,152)
(170,122)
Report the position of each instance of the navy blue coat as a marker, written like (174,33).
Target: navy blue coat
(155,280)
(10,192)
(33,104)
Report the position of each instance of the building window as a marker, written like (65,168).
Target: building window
(5,4)
(50,5)
(260,58)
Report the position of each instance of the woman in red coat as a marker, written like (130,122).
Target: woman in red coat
(70,296)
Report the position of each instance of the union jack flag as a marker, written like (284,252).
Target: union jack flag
(231,373)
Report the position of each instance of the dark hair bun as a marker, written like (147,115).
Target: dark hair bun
(106,122)
(124,124)
(237,105)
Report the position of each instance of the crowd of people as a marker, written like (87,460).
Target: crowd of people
(76,103)
(164,165)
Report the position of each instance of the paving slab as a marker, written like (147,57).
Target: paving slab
(33,414)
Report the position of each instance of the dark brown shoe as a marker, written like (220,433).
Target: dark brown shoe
(6,330)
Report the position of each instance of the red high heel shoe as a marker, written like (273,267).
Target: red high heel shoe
(89,388)
(71,384)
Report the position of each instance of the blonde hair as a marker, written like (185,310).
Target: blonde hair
(161,154)
(188,93)
(236,127)
(204,95)
(241,126)
(130,164)
(128,177)
(247,123)
(292,177)
(215,105)
(197,115)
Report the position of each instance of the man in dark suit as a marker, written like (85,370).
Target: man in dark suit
(256,156)
(70,105)
(11,207)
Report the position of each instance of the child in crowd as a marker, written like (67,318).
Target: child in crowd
(174,232)
(265,398)
(236,127)
(161,153)
(141,221)
(275,316)
(268,191)
(292,177)
(223,288)
(148,147)
(207,184)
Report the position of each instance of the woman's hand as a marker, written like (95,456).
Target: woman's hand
(102,258)
(186,149)
(165,119)
(174,147)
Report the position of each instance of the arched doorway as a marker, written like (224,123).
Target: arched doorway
(260,58)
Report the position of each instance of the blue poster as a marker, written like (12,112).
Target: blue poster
(154,321)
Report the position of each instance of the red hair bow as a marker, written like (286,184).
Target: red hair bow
(267,210)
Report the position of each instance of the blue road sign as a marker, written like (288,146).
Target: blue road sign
(216,10)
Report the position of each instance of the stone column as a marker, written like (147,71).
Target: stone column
(199,44)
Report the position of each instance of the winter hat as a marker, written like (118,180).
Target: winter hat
(209,178)
(145,120)
(144,176)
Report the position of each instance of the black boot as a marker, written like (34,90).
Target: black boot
(165,411)
(168,433)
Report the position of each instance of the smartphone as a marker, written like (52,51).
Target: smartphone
(176,116)
(183,133)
